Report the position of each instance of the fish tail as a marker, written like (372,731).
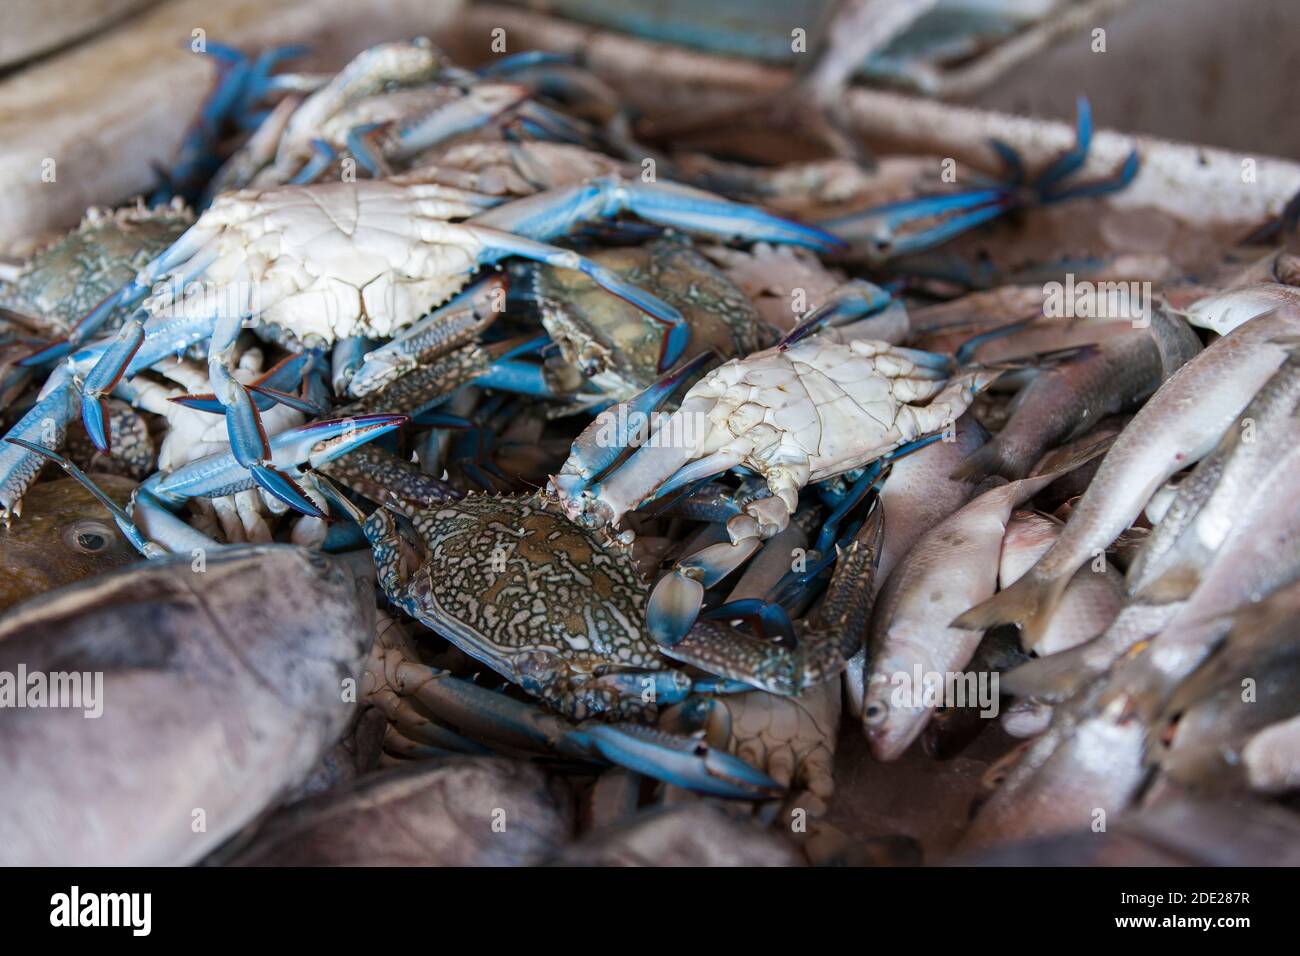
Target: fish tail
(1028,602)
(1053,678)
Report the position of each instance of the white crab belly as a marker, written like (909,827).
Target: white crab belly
(333,261)
(830,409)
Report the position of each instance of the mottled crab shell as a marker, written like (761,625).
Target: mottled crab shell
(618,345)
(504,577)
(69,277)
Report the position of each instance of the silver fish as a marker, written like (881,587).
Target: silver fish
(1177,427)
(918,493)
(1092,599)
(1251,681)
(1181,832)
(952,567)
(1109,377)
(1173,556)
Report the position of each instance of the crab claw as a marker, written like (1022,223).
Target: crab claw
(884,229)
(675,601)
(103,378)
(615,430)
(307,446)
(684,761)
(767,617)
(498,719)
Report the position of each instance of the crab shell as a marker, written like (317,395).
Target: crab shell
(69,277)
(617,345)
(514,584)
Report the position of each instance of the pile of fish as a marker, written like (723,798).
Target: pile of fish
(445,453)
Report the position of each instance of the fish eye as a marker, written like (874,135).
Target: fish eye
(89,537)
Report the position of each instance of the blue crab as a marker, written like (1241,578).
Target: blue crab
(558,610)
(69,277)
(396,105)
(807,410)
(338,260)
(588,660)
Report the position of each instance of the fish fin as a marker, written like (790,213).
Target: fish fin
(1048,358)
(1028,602)
(990,459)
(1289,341)
(1053,678)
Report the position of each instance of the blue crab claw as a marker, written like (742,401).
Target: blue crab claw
(616,429)
(509,373)
(500,720)
(286,489)
(467,314)
(1047,184)
(46,420)
(103,378)
(267,390)
(675,601)
(1101,187)
(684,761)
(307,446)
(120,517)
(1073,159)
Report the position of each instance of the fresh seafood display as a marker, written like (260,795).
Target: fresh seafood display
(450,463)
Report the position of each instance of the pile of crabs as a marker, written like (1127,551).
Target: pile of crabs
(427,423)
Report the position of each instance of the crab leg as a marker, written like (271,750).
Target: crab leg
(555,212)
(888,231)
(882,228)
(822,647)
(675,601)
(306,446)
(457,323)
(102,379)
(46,421)
(495,718)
